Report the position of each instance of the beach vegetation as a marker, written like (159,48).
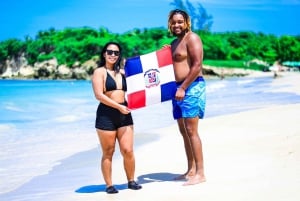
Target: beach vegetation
(80,45)
(71,45)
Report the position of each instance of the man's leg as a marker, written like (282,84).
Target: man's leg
(191,126)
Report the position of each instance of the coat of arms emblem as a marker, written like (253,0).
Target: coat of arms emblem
(151,78)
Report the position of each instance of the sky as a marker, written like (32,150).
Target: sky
(23,18)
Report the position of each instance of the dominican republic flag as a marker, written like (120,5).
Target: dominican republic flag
(150,78)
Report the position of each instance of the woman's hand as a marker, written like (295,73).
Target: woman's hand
(124,109)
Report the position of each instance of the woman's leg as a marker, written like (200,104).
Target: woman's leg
(107,141)
(125,139)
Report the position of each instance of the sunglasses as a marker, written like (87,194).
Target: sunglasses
(111,52)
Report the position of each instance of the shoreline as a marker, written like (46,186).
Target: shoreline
(212,72)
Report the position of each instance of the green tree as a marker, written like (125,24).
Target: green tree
(72,45)
(289,48)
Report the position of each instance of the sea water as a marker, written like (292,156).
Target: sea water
(37,118)
(43,122)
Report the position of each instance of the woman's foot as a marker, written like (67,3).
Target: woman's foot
(111,190)
(133,185)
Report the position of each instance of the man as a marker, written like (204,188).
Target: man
(189,100)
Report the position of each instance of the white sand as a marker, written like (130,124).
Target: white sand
(252,155)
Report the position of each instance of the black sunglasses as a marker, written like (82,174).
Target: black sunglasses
(111,52)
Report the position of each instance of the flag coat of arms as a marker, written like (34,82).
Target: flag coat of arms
(150,78)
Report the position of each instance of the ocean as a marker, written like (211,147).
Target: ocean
(38,117)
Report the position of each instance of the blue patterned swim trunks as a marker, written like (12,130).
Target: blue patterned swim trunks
(193,104)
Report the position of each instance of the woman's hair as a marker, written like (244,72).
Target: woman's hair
(186,17)
(102,61)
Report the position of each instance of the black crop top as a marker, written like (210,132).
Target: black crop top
(110,83)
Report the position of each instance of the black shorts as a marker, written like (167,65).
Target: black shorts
(111,119)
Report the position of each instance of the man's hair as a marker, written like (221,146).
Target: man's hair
(186,17)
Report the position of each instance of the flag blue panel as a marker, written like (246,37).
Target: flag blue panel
(133,66)
(168,91)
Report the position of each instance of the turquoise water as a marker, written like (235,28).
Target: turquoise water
(42,121)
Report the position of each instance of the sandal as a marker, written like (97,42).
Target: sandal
(133,185)
(111,190)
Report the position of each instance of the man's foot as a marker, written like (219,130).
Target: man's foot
(195,180)
(181,177)
(185,176)
(133,185)
(111,190)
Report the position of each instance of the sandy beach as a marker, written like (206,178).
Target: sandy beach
(248,156)
(252,155)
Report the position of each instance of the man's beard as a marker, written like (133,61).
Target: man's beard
(181,34)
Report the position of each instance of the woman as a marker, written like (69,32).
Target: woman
(114,120)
